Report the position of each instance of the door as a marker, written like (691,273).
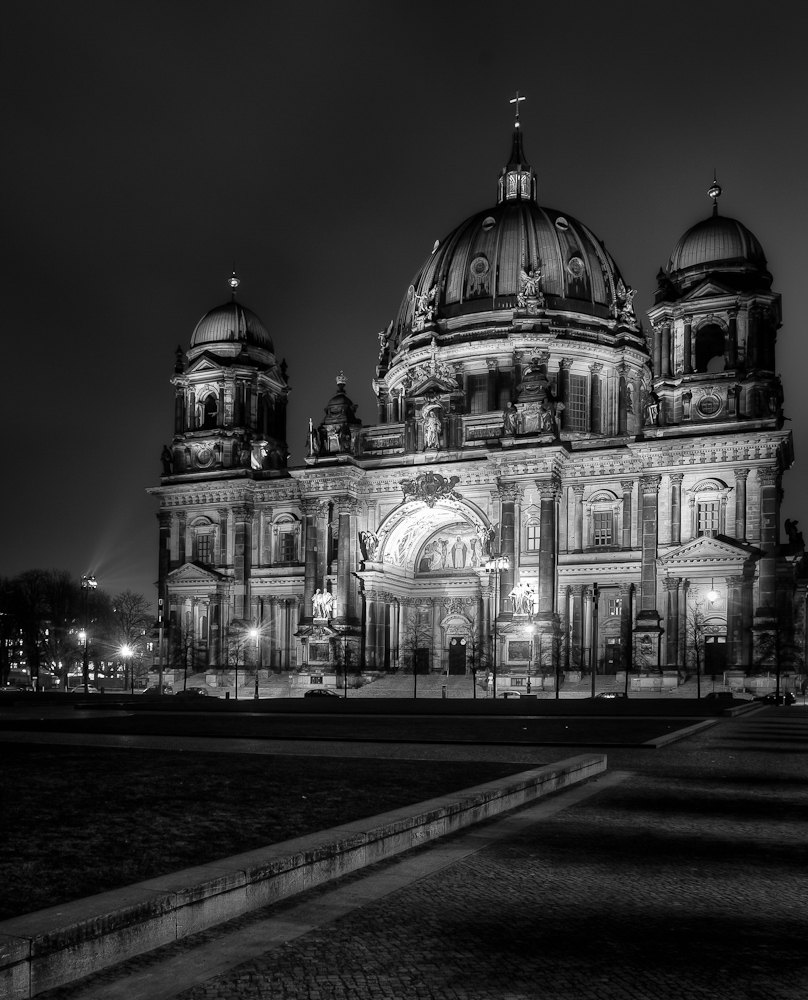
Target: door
(715,654)
(457,655)
(612,655)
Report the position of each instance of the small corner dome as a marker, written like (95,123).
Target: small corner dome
(231,323)
(717,243)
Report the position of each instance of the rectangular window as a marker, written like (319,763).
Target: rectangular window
(602,527)
(286,547)
(576,404)
(478,393)
(615,606)
(204,549)
(708,518)
(533,537)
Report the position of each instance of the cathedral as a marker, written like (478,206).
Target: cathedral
(549,485)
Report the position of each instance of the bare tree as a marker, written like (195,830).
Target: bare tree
(477,652)
(695,633)
(777,647)
(417,641)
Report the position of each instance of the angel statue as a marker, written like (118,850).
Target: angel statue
(529,286)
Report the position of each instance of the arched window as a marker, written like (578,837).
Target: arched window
(709,348)
(708,501)
(286,537)
(203,534)
(532,534)
(209,411)
(602,511)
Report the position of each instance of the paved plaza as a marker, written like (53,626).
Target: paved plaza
(680,873)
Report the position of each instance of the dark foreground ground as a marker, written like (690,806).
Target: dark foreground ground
(683,875)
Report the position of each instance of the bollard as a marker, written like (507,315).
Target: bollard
(444,692)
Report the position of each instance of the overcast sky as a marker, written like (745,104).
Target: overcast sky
(322,148)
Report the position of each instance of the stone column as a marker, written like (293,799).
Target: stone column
(507,495)
(687,360)
(182,556)
(589,637)
(627,485)
(647,629)
(666,348)
(578,515)
(550,490)
(382,647)
(734,621)
(347,597)
(437,645)
(769,525)
(622,401)
(242,549)
(370,629)
(672,585)
(223,512)
(657,349)
(747,620)
(595,417)
(741,475)
(577,641)
(493,372)
(164,557)
(676,507)
(625,625)
(732,342)
(311,509)
(564,377)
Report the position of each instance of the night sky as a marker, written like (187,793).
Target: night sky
(322,148)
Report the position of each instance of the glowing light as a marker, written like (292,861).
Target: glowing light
(712,596)
(126,651)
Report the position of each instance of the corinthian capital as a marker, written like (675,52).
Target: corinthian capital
(650,484)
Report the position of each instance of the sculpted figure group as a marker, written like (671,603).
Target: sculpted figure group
(322,604)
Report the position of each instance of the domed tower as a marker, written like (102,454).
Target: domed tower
(517,326)
(230,398)
(715,321)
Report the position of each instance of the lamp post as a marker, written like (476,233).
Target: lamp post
(496,563)
(254,634)
(88,583)
(593,652)
(530,657)
(345,659)
(126,655)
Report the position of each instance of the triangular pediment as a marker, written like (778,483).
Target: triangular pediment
(207,363)
(709,289)
(433,384)
(191,573)
(707,553)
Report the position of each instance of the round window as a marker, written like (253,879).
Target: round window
(562,224)
(489,222)
(708,406)
(479,266)
(575,267)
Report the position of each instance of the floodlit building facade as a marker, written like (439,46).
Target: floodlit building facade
(548,484)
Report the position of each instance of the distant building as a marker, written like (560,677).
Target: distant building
(547,483)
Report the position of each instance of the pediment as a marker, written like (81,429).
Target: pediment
(433,384)
(706,552)
(191,573)
(709,289)
(206,363)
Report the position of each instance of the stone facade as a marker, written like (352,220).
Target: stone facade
(548,485)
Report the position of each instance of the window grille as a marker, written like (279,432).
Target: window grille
(286,547)
(204,549)
(708,517)
(576,404)
(478,393)
(602,527)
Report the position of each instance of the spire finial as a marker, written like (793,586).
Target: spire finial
(715,192)
(234,281)
(516,100)
(341,380)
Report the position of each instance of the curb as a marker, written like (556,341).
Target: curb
(52,947)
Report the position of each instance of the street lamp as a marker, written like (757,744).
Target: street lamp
(126,653)
(254,634)
(346,657)
(530,656)
(88,583)
(496,563)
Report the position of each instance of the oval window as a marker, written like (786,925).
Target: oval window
(489,222)
(562,224)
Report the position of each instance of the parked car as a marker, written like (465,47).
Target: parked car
(91,689)
(192,692)
(154,689)
(719,696)
(611,694)
(17,688)
(789,698)
(321,692)
(511,694)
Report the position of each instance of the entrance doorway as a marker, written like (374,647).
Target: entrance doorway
(422,661)
(457,655)
(715,654)
(612,655)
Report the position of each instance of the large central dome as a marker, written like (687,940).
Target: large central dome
(483,265)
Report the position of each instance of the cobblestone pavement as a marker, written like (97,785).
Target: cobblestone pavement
(685,880)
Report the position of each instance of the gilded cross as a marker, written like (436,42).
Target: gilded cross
(516,100)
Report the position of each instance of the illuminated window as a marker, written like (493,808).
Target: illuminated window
(614,607)
(708,513)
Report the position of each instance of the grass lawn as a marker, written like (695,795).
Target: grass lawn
(75,821)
